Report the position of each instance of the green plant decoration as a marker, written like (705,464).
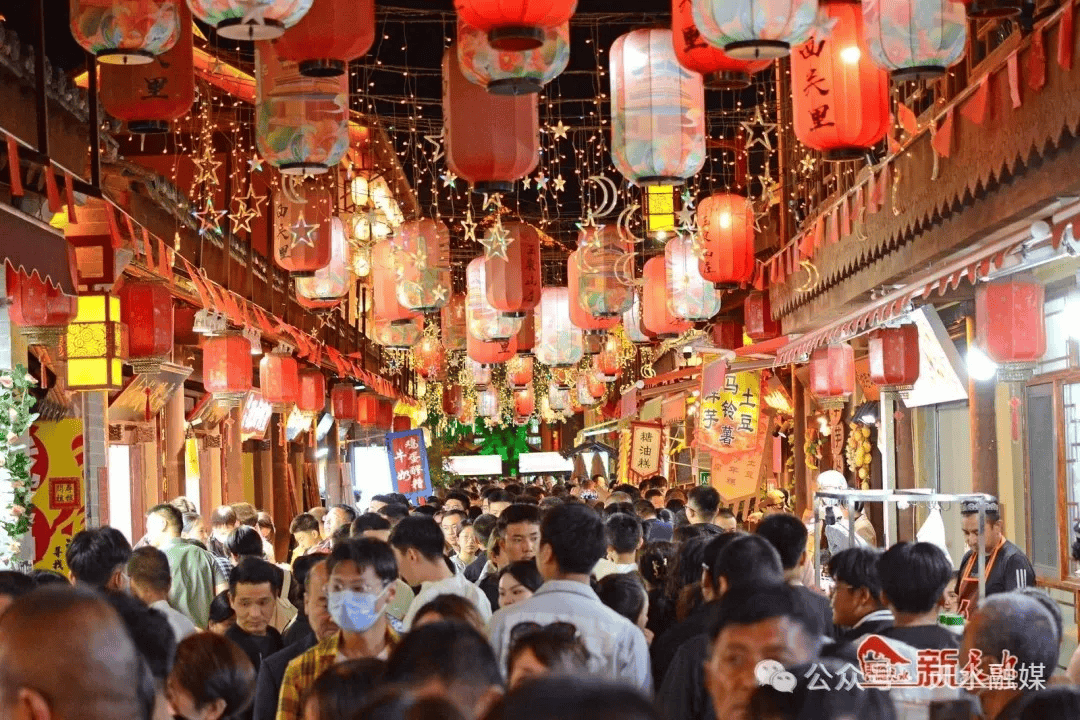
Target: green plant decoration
(16,401)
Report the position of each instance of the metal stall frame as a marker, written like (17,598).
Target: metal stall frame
(849,497)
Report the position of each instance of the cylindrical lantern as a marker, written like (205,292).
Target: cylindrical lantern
(279,380)
(422,259)
(492,141)
(490,352)
(755,29)
(312,397)
(399,335)
(429,358)
(636,332)
(727,334)
(330,34)
(558,398)
(512,73)
(484,322)
(453,323)
(513,284)
(984,9)
(343,402)
(894,357)
(331,283)
(250,19)
(585,397)
(40,310)
(1010,325)
(402,423)
(915,39)
(758,319)
(524,401)
(453,400)
(657,111)
(303,231)
(832,374)
(94,346)
(516,25)
(558,341)
(526,336)
(604,268)
(384,296)
(367,410)
(721,72)
(656,315)
(606,363)
(519,371)
(487,402)
(726,224)
(579,315)
(126,32)
(147,311)
(478,371)
(151,95)
(384,417)
(301,123)
(690,296)
(227,371)
(841,98)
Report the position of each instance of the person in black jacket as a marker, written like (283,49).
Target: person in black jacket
(856,596)
(913,579)
(1005,565)
(788,535)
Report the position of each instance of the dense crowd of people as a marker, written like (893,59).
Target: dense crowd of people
(498,600)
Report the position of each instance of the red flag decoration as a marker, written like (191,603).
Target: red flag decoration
(907,119)
(51,189)
(759,277)
(13,166)
(1036,68)
(1014,80)
(806,244)
(834,225)
(975,108)
(845,216)
(882,187)
(943,138)
(1065,38)
(894,145)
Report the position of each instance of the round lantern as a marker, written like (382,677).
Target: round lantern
(279,380)
(726,224)
(894,357)
(147,310)
(149,96)
(526,337)
(40,310)
(343,402)
(490,352)
(422,259)
(400,335)
(656,315)
(915,39)
(453,323)
(487,403)
(227,369)
(524,401)
(558,398)
(126,32)
(832,374)
(519,371)
(579,315)
(983,9)
(330,34)
(1010,325)
(453,400)
(312,397)
(384,297)
(604,273)
(478,371)
(513,285)
(841,99)
(512,73)
(301,123)
(657,111)
(331,283)
(250,19)
(484,322)
(492,141)
(690,296)
(721,71)
(558,340)
(755,29)
(367,410)
(303,231)
(636,332)
(429,358)
(758,319)
(515,25)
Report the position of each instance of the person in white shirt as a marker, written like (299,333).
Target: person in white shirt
(418,544)
(151,580)
(624,538)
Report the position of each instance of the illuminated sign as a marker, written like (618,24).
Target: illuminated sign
(256,417)
(942,375)
(543,462)
(474,464)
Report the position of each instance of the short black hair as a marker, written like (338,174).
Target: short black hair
(223,515)
(149,629)
(514,488)
(14,584)
(787,534)
(349,510)
(211,667)
(460,496)
(1060,701)
(366,552)
(525,572)
(189,519)
(744,561)
(857,568)
(992,511)
(576,536)
(429,510)
(149,566)
(47,577)
(174,521)
(483,526)
(653,492)
(705,499)
(751,605)
(220,608)
(725,513)
(343,688)
(626,508)
(447,513)
(500,496)
(453,652)
(394,512)
(301,569)
(369,521)
(517,513)
(624,593)
(94,555)
(254,571)
(244,541)
(643,507)
(624,532)
(304,522)
(913,576)
(421,533)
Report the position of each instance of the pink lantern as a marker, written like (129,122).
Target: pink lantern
(487,403)
(422,259)
(384,286)
(303,231)
(512,73)
(514,284)
(453,323)
(484,322)
(690,296)
(578,314)
(330,283)
(656,315)
(559,343)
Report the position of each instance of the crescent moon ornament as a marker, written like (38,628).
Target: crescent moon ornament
(290,190)
(611,195)
(624,223)
(624,270)
(811,276)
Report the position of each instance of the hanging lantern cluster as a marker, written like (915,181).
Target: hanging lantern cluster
(512,73)
(915,39)
(250,19)
(559,342)
(721,72)
(755,29)
(330,35)
(422,261)
(126,32)
(726,227)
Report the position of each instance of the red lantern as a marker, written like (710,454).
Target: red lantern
(514,25)
(596,387)
(841,103)
(721,71)
(302,231)
(402,423)
(150,96)
(727,334)
(606,363)
(832,374)
(330,34)
(578,314)
(384,299)
(429,358)
(656,315)
(279,380)
(343,402)
(367,410)
(519,371)
(227,367)
(492,141)
(453,400)
(894,356)
(758,319)
(384,417)
(39,309)
(726,221)
(524,401)
(147,310)
(1009,323)
(312,390)
(526,337)
(491,352)
(513,285)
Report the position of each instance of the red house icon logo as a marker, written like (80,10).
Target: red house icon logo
(887,664)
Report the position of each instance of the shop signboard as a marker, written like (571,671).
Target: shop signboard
(730,414)
(646,449)
(59,501)
(408,463)
(738,476)
(145,396)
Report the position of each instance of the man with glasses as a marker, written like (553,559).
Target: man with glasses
(361,586)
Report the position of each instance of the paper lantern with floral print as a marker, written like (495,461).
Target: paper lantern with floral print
(604,272)
(279,380)
(755,29)
(657,111)
(227,370)
(400,335)
(558,398)
(656,315)
(492,141)
(250,19)
(841,99)
(331,283)
(39,309)
(343,402)
(832,374)
(636,332)
(915,39)
(526,336)
(514,25)
(384,297)
(519,371)
(758,319)
(478,371)
(453,323)
(721,72)
(487,403)
(512,73)
(149,96)
(312,396)
(579,315)
(726,224)
(558,341)
(484,322)
(303,231)
(301,123)
(429,358)
(331,33)
(490,352)
(422,259)
(690,296)
(126,32)
(146,308)
(513,284)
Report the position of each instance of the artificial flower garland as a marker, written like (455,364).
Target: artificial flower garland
(16,401)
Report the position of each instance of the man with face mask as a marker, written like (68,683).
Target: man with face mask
(362,572)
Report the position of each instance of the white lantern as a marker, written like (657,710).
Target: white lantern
(755,29)
(559,343)
(690,296)
(483,321)
(915,39)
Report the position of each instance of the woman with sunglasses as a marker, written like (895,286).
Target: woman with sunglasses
(537,650)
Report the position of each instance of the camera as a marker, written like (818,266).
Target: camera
(687,352)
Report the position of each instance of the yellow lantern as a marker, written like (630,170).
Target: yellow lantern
(95,344)
(659,211)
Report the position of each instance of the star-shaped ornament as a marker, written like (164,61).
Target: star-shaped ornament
(807,164)
(495,242)
(758,132)
(254,12)
(541,181)
(590,232)
(449,179)
(207,168)
(469,226)
(493,202)
(255,164)
(527,182)
(436,141)
(686,217)
(440,293)
(687,198)
(209,218)
(559,183)
(302,233)
(559,130)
